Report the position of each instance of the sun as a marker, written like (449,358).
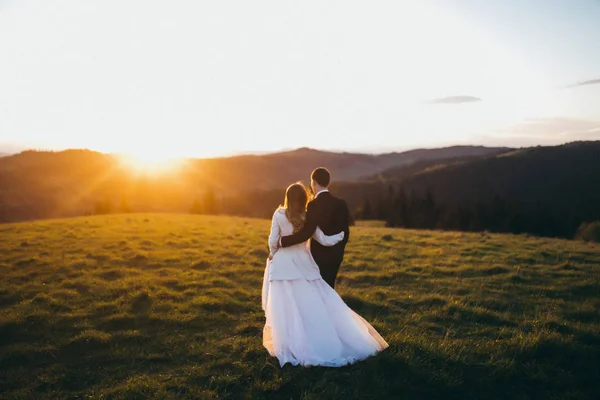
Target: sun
(150,162)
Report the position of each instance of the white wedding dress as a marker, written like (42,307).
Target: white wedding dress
(307,322)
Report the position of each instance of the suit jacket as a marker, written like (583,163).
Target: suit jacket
(331,215)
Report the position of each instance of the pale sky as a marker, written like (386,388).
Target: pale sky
(207,78)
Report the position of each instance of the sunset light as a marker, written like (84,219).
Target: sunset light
(260,77)
(216,199)
(150,162)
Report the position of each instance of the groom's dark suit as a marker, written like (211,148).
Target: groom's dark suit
(331,215)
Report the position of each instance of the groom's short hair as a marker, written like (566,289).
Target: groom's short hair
(321,176)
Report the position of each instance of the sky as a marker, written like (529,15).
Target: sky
(210,78)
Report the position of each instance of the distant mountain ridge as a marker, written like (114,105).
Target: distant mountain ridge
(546,191)
(531,174)
(296,165)
(543,190)
(39,184)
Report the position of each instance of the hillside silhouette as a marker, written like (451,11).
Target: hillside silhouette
(547,191)
(36,184)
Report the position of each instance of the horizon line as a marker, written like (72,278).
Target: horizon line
(373,151)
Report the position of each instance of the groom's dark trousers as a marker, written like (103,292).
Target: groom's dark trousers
(331,215)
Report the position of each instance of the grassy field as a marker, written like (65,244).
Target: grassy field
(168,306)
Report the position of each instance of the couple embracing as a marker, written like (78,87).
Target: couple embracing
(307,322)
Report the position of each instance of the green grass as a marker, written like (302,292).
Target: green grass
(168,306)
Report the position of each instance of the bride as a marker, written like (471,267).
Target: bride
(307,322)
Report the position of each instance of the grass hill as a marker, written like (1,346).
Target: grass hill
(168,306)
(37,185)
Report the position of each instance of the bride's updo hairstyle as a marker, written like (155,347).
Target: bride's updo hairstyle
(296,199)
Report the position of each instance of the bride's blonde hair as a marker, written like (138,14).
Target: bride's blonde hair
(294,204)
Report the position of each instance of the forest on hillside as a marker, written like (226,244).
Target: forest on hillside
(40,184)
(545,191)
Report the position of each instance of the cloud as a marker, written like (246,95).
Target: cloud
(585,83)
(454,100)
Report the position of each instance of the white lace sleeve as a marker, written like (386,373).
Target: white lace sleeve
(274,235)
(325,240)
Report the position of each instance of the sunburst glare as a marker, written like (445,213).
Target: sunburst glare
(151,162)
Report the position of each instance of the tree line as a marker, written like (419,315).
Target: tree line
(496,214)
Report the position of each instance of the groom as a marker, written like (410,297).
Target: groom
(332,216)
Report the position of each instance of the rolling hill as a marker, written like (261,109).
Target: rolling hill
(567,176)
(168,306)
(283,168)
(75,182)
(546,191)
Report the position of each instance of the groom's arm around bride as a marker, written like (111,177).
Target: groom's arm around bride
(332,216)
(324,211)
(309,228)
